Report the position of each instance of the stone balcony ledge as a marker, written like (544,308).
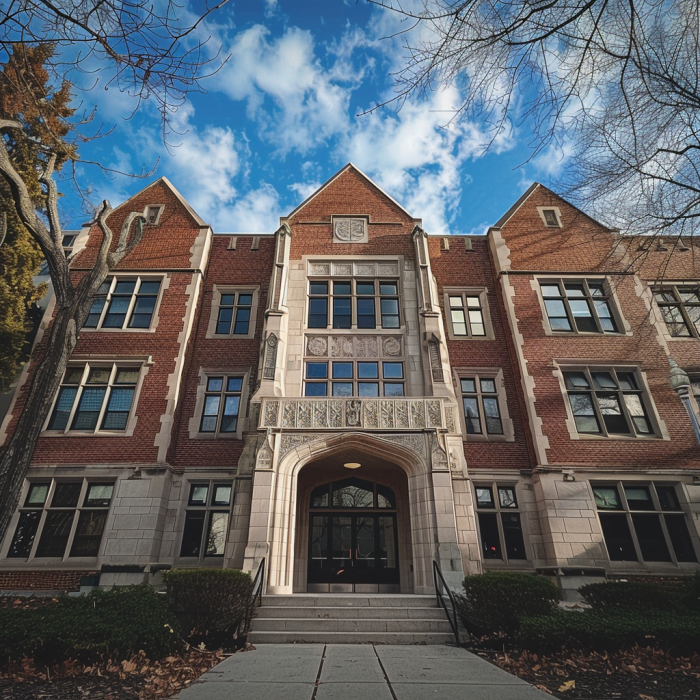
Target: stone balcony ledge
(405,413)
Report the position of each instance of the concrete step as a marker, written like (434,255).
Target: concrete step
(351,600)
(359,625)
(388,613)
(350,638)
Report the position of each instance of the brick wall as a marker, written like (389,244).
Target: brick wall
(42,580)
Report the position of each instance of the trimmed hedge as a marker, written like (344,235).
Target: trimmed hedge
(610,629)
(631,595)
(211,600)
(495,601)
(119,622)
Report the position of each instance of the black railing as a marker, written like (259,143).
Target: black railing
(259,584)
(443,592)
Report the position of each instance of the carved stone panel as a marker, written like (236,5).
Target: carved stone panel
(270,356)
(349,230)
(391,346)
(364,269)
(319,269)
(433,412)
(342,269)
(271,410)
(317,346)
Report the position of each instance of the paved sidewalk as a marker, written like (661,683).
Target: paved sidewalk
(357,672)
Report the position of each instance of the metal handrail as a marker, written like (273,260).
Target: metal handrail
(259,584)
(441,588)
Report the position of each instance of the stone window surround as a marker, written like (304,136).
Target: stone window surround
(195,421)
(658,426)
(398,261)
(557,213)
(217,291)
(143,363)
(683,501)
(212,562)
(658,317)
(164,278)
(14,521)
(482,293)
(159,207)
(495,373)
(494,483)
(624,328)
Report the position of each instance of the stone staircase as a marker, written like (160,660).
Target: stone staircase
(350,619)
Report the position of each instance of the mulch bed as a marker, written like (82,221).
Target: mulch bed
(635,674)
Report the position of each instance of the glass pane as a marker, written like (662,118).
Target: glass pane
(231,405)
(54,536)
(391,389)
(387,543)
(223,324)
(234,384)
(355,494)
(651,537)
(341,288)
(456,302)
(555,308)
(99,494)
(606,498)
(365,287)
(226,300)
(99,375)
(315,389)
(471,415)
(576,380)
(368,389)
(386,497)
(24,534)
(617,536)
(667,498)
(198,495)
(88,534)
(208,424)
(215,383)
(342,370)
(484,497)
(66,495)
(341,540)
(365,555)
(627,380)
(319,497)
(596,289)
(73,375)
(473,302)
(192,536)
(216,537)
(390,306)
(492,416)
(490,540)
(579,307)
(603,380)
(680,538)
(318,313)
(37,495)
(318,287)
(211,405)
(245,299)
(689,295)
(316,370)
(506,497)
(559,324)
(342,388)
(513,535)
(318,542)
(574,290)
(120,400)
(674,321)
(125,287)
(550,290)
(638,498)
(242,322)
(368,370)
(615,422)
(488,386)
(229,424)
(468,386)
(127,376)
(393,370)
(388,288)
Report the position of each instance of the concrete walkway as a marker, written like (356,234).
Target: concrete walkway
(357,672)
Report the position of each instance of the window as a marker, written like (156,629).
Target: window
(643,522)
(680,308)
(466,313)
(206,519)
(551,216)
(61,519)
(95,398)
(354,378)
(353,304)
(234,313)
(500,529)
(480,402)
(124,303)
(353,493)
(153,213)
(578,306)
(608,401)
(222,403)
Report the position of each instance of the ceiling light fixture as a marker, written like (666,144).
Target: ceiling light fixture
(352,465)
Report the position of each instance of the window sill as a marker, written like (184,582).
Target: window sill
(616,438)
(231,336)
(586,334)
(491,438)
(80,433)
(117,330)
(217,436)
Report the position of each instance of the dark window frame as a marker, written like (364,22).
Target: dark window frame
(198,513)
(222,418)
(107,295)
(232,326)
(502,518)
(676,310)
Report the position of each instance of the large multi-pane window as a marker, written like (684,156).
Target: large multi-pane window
(353,303)
(643,522)
(608,401)
(466,315)
(354,378)
(95,397)
(680,308)
(206,519)
(60,519)
(480,401)
(124,302)
(222,404)
(578,306)
(500,528)
(233,317)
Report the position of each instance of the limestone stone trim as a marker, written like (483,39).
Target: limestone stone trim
(615,306)
(353,414)
(388,347)
(495,373)
(482,293)
(557,213)
(220,289)
(195,421)
(658,425)
(501,256)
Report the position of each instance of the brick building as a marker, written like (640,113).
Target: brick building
(352,399)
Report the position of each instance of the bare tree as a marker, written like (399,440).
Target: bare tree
(616,81)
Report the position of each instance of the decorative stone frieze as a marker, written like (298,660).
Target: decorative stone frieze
(371,414)
(359,346)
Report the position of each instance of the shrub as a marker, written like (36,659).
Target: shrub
(210,599)
(632,595)
(119,622)
(610,629)
(690,593)
(493,602)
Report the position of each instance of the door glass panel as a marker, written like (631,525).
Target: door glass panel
(319,541)
(353,493)
(364,542)
(387,543)
(342,541)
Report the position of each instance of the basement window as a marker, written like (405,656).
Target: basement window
(500,527)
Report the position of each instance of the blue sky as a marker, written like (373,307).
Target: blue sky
(281,117)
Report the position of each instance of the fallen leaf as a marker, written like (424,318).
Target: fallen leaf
(568,685)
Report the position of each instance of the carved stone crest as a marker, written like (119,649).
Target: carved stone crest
(349,230)
(317,346)
(391,346)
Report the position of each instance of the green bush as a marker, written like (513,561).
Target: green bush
(211,599)
(493,602)
(631,595)
(690,593)
(610,629)
(119,622)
